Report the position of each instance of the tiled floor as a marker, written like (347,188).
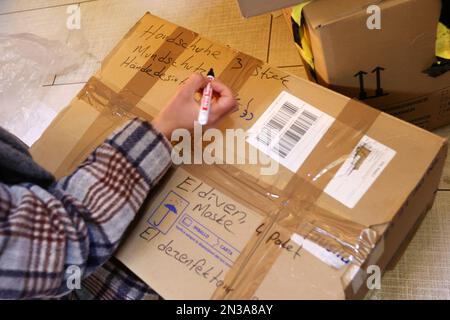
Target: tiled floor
(423,271)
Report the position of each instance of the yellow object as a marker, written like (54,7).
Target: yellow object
(305,46)
(443,41)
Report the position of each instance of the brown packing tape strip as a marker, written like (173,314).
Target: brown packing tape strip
(257,258)
(261,255)
(350,126)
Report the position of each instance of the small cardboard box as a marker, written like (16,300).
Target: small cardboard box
(382,67)
(351,183)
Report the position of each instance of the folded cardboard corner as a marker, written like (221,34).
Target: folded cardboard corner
(351,181)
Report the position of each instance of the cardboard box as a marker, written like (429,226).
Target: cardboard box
(382,67)
(352,183)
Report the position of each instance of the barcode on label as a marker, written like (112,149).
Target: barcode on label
(289,130)
(294,132)
(279,120)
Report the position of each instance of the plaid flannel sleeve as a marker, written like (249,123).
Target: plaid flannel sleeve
(48,236)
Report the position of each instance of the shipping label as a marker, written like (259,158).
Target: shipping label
(289,130)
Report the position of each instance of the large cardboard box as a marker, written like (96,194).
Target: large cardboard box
(382,67)
(351,183)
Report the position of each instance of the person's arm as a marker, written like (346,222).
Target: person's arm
(74,226)
(48,237)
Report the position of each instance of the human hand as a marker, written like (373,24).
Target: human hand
(182,110)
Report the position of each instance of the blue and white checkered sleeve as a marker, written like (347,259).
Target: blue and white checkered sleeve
(78,222)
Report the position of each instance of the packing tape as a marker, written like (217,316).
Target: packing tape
(97,88)
(302,216)
(103,98)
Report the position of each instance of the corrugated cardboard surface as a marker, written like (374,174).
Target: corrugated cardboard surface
(250,8)
(138,77)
